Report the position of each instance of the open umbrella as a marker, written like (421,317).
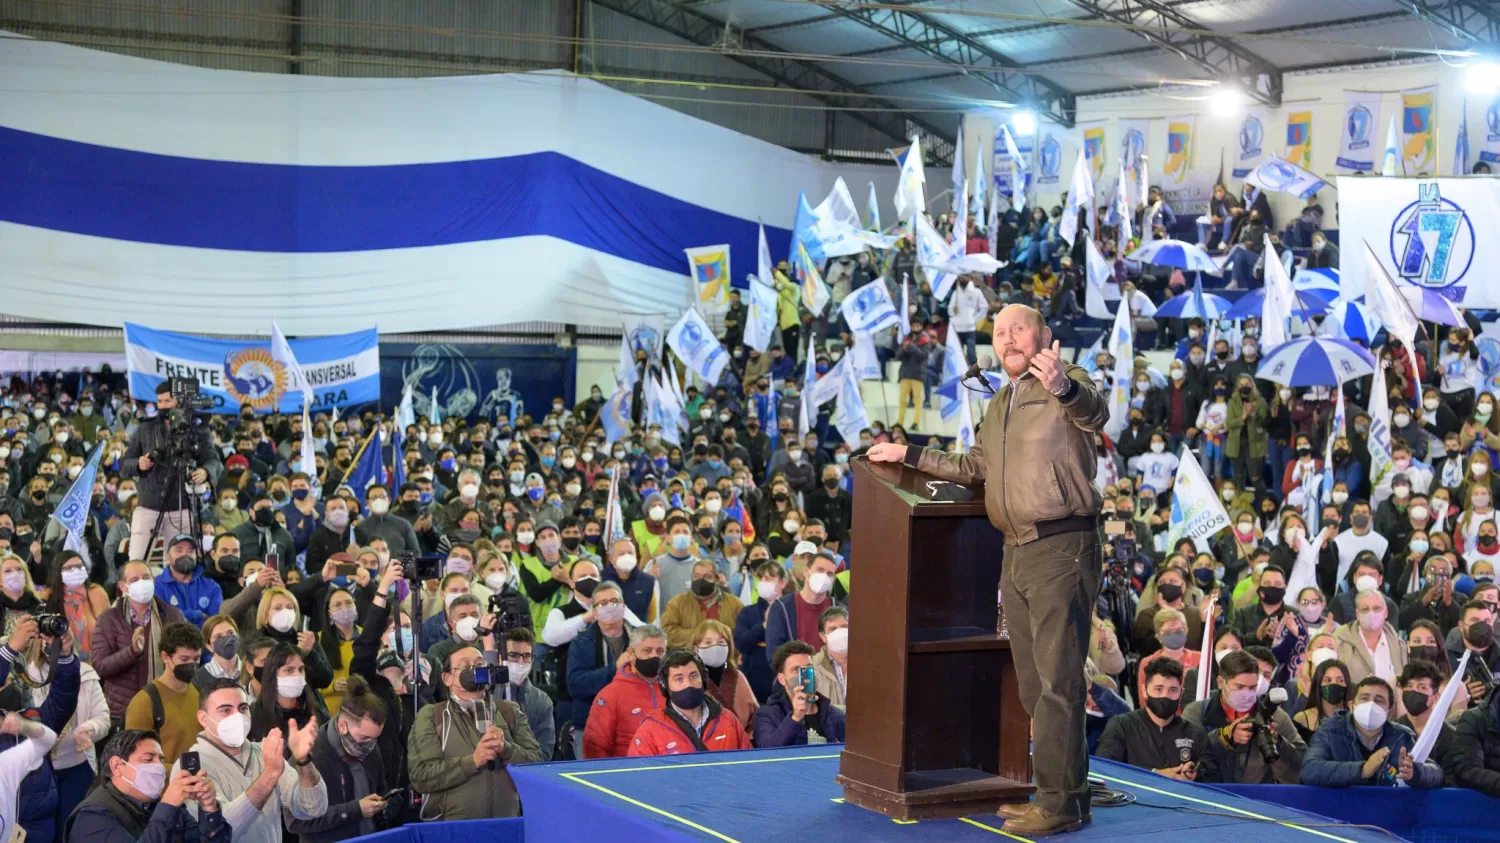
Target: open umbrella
(1206,306)
(1253,303)
(1315,361)
(1432,306)
(1351,321)
(1185,256)
(1322,284)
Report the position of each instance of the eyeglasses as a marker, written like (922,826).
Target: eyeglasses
(523,658)
(609,603)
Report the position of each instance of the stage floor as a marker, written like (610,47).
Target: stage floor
(790,794)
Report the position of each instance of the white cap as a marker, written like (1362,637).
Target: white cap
(804,547)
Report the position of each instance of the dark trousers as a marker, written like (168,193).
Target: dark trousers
(1247,472)
(1050,587)
(72,786)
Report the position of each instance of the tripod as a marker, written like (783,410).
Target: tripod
(179,469)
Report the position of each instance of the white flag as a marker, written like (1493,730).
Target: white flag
(308,449)
(826,388)
(807,412)
(911,197)
(992,222)
(433,413)
(1124,216)
(961,216)
(958,171)
(866,362)
(1393,309)
(1098,273)
(869,309)
(406,414)
(815,295)
(977,184)
(872,207)
(1281,176)
(1391,160)
(850,416)
(1279,299)
(933,250)
(695,345)
(765,268)
(903,325)
(625,374)
(1080,198)
(1121,347)
(281,352)
(760,316)
(1197,512)
(1143,188)
(1019,167)
(1379,440)
(1429,736)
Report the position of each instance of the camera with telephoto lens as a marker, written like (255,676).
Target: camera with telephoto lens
(51,625)
(1262,716)
(505,620)
(418,568)
(188,395)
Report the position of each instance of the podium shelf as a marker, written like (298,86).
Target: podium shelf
(955,639)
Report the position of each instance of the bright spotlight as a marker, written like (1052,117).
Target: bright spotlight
(1024,123)
(1226,101)
(1483,77)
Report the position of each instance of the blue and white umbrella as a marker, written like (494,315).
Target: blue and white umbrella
(1351,321)
(1194,303)
(1253,303)
(1316,361)
(1185,256)
(1322,284)
(1432,306)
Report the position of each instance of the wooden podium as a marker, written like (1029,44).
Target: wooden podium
(935,724)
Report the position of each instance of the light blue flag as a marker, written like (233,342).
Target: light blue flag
(958,168)
(977,183)
(803,231)
(614,416)
(870,309)
(398,464)
(851,416)
(1281,176)
(872,207)
(807,411)
(1461,146)
(954,366)
(1391,160)
(695,345)
(760,320)
(73,510)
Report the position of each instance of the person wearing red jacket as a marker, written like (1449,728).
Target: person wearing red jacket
(631,695)
(692,721)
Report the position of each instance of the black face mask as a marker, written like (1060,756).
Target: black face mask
(1163,707)
(1169,591)
(688,698)
(591,540)
(229,565)
(226,646)
(1335,694)
(1416,702)
(1480,634)
(1245,391)
(831,482)
(571,542)
(1426,654)
(704,588)
(648,668)
(585,586)
(185,564)
(1302,450)
(466,680)
(1271,596)
(408,509)
(184,672)
(265,517)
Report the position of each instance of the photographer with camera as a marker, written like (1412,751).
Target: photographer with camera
(1252,739)
(166,451)
(39,797)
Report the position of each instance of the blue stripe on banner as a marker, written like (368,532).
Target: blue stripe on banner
(143,197)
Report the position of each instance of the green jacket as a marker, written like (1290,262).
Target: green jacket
(1255,425)
(542,592)
(441,754)
(788,297)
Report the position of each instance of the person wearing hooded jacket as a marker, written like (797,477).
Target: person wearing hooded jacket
(633,693)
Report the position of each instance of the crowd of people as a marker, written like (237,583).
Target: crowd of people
(245,646)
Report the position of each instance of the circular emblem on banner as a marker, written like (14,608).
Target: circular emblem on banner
(1432,243)
(1252,136)
(1133,147)
(1277,175)
(1051,163)
(1359,124)
(1492,118)
(254,379)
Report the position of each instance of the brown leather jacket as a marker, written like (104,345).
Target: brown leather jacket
(1034,455)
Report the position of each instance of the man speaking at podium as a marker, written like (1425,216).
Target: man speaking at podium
(1035,456)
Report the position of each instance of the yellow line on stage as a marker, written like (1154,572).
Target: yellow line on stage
(992,829)
(1224,807)
(703,764)
(573,777)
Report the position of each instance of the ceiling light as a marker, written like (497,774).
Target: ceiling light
(1226,101)
(1483,77)
(1024,122)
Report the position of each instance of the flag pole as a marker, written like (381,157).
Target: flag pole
(355,461)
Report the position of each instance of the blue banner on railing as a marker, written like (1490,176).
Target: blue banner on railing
(343,370)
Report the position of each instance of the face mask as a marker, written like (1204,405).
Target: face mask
(714,656)
(1241,700)
(1246,529)
(790,526)
(74,577)
(1271,595)
(1220,654)
(184,672)
(525,536)
(495,581)
(1401,419)
(338,518)
(1158,447)
(1311,614)
(226,646)
(1480,634)
(141,591)
(1361,520)
(1174,640)
(1481,469)
(611,613)
(1164,708)
(681,543)
(517,672)
(405,638)
(1366,583)
(819,582)
(150,780)
(282,620)
(1426,654)
(1401,492)
(1204,576)
(1227,495)
(688,698)
(1169,592)
(703,588)
(1370,716)
(380,506)
(343,617)
(625,563)
(535,494)
(1292,536)
(290,687)
(1372,620)
(457,565)
(1481,500)
(184,564)
(715,505)
(467,629)
(1320,655)
(768,590)
(266,517)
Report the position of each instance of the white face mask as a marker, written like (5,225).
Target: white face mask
(1220,654)
(1371,620)
(791,526)
(282,620)
(819,582)
(625,563)
(467,629)
(232,730)
(525,536)
(518,672)
(1158,447)
(1366,583)
(150,780)
(838,640)
(290,687)
(1370,715)
(1340,497)
(656,513)
(713,505)
(495,581)
(768,590)
(141,591)
(1320,655)
(714,656)
(74,577)
(380,506)
(13,581)
(469,491)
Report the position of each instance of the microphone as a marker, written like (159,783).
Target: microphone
(977,371)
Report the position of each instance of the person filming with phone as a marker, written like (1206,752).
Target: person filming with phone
(796,714)
(1035,455)
(136,802)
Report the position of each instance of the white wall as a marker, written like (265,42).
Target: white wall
(1320,92)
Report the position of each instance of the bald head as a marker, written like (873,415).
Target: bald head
(1020,333)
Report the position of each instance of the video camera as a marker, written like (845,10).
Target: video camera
(1263,716)
(181,422)
(418,568)
(188,395)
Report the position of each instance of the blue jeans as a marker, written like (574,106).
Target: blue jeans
(1279,454)
(1205,230)
(1242,268)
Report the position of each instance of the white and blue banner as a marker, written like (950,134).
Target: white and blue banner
(695,345)
(1358,145)
(1197,512)
(1280,176)
(1424,232)
(1250,142)
(760,319)
(341,371)
(870,308)
(73,510)
(1489,136)
(159,193)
